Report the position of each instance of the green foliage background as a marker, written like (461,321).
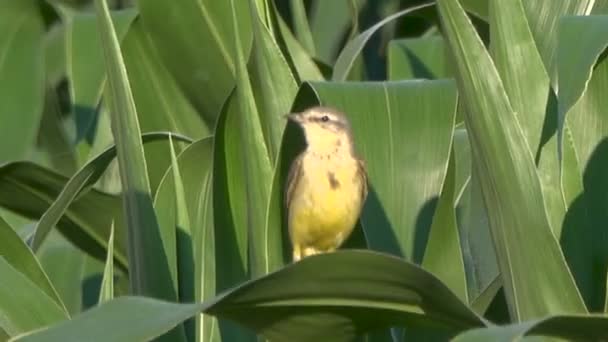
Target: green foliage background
(143,155)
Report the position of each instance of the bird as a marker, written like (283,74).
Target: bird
(326,185)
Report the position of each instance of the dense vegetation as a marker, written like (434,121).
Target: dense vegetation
(144,153)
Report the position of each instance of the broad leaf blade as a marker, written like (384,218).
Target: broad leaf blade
(85,65)
(21,77)
(418,58)
(329,22)
(148,268)
(16,253)
(336,292)
(572,328)
(575,66)
(443,256)
(585,129)
(195,164)
(125,319)
(197,39)
(334,296)
(351,51)
(509,182)
(78,185)
(160,103)
(303,63)
(272,83)
(23,304)
(29,190)
(543,17)
(256,157)
(301,26)
(520,67)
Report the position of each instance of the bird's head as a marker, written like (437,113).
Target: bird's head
(326,129)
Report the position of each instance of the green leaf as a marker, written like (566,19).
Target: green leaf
(52,137)
(16,253)
(182,231)
(22,77)
(230,208)
(477,245)
(392,123)
(272,83)
(477,7)
(329,22)
(184,234)
(65,196)
(443,256)
(509,182)
(481,269)
(149,271)
(55,54)
(543,19)
(335,291)
(107,283)
(71,272)
(301,26)
(229,199)
(575,66)
(256,158)
(585,128)
(572,328)
(160,103)
(85,64)
(520,67)
(483,300)
(302,62)
(334,297)
(23,304)
(195,165)
(29,190)
(351,51)
(424,57)
(196,39)
(123,319)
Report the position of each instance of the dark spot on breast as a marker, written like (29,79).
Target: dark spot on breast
(338,143)
(333,182)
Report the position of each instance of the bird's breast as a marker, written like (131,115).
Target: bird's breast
(327,200)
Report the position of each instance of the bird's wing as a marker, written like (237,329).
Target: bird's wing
(362,174)
(295,173)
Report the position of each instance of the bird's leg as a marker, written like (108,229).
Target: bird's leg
(308,251)
(297,253)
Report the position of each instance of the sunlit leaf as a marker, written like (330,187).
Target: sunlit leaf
(196,39)
(149,271)
(509,182)
(85,64)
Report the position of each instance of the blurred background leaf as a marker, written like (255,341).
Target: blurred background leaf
(195,41)
(21,77)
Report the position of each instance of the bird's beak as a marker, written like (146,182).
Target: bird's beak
(295,117)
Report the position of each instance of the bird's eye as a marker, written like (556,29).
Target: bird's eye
(325,118)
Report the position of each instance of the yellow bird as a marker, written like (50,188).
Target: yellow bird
(326,186)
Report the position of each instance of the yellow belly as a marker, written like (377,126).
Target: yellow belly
(324,211)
